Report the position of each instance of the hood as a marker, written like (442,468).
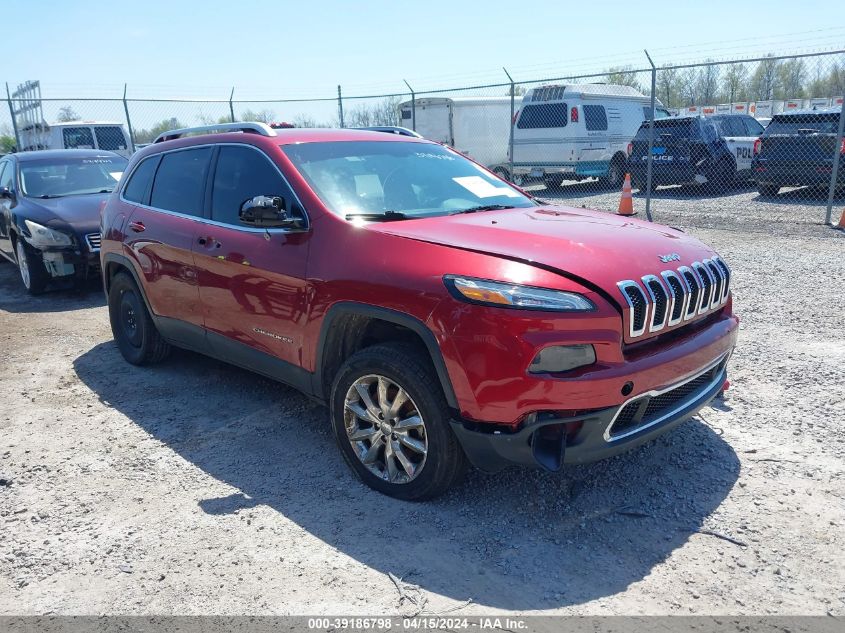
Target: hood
(598,248)
(80,213)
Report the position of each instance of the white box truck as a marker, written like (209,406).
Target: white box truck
(478,127)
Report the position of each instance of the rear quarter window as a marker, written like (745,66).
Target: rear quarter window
(138,187)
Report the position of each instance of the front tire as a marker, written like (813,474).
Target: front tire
(132,327)
(34,275)
(391,422)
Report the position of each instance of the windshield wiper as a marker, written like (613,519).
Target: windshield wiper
(483,207)
(387,216)
(47,196)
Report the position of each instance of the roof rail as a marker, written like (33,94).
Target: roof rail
(253,128)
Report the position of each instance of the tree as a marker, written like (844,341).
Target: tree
(735,81)
(764,81)
(667,87)
(688,87)
(790,79)
(262,116)
(7,144)
(147,136)
(384,112)
(707,87)
(66,114)
(623,76)
(518,90)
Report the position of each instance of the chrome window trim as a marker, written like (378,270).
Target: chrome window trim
(631,283)
(701,307)
(684,298)
(688,316)
(651,326)
(656,392)
(187,216)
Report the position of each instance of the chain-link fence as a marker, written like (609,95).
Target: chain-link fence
(761,138)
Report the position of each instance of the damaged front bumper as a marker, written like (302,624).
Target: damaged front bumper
(547,441)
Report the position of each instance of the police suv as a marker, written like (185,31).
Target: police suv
(715,150)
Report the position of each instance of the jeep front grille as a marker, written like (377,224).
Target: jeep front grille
(674,296)
(93,241)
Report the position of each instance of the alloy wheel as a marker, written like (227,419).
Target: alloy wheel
(23,265)
(385,428)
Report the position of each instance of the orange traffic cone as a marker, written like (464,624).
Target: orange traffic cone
(841,224)
(626,202)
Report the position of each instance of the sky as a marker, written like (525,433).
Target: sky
(286,49)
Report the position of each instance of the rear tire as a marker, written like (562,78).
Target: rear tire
(767,190)
(615,174)
(132,327)
(372,430)
(34,275)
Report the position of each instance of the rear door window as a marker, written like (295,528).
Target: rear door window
(110,138)
(78,138)
(138,187)
(732,126)
(545,115)
(595,117)
(241,174)
(752,127)
(180,181)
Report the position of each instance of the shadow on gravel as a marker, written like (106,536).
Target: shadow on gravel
(15,299)
(521,539)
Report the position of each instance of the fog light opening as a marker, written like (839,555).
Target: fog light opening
(561,358)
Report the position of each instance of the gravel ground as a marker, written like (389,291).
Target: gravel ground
(194,487)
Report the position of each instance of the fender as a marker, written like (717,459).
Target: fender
(346,308)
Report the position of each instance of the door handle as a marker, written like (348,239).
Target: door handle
(138,227)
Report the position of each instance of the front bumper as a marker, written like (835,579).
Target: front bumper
(66,263)
(549,442)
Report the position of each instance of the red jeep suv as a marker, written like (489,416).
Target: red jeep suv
(444,316)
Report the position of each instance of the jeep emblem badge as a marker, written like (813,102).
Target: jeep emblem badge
(671,257)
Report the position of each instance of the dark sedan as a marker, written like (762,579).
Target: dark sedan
(50,212)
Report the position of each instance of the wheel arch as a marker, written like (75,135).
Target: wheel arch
(113,264)
(349,326)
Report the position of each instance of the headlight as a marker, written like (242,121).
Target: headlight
(504,295)
(42,236)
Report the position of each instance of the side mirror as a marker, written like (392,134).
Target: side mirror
(266,212)
(6,194)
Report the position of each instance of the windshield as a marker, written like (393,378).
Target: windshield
(681,128)
(826,123)
(56,177)
(406,179)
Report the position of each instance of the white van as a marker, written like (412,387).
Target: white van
(478,127)
(577,131)
(105,135)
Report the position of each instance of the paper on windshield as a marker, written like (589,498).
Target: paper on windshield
(482,188)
